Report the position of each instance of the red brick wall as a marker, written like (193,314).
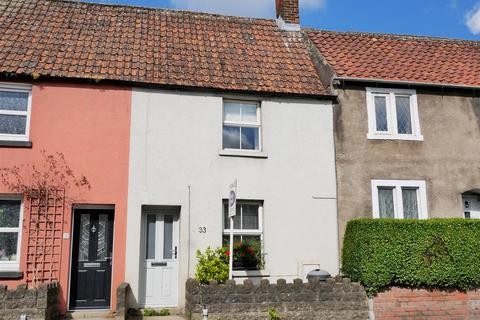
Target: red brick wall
(288,10)
(400,303)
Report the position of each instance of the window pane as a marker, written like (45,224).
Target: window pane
(8,246)
(250,138)
(167,237)
(252,238)
(13,101)
(410,203)
(236,219)
(84,237)
(236,238)
(385,202)
(9,213)
(226,240)
(404,119)
(231,112)
(151,230)
(381,113)
(10,124)
(102,237)
(231,137)
(250,216)
(249,113)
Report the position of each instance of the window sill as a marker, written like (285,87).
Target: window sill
(15,144)
(371,136)
(243,153)
(250,273)
(11,275)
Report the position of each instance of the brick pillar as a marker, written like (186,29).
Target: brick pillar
(288,10)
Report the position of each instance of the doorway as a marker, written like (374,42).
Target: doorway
(91,266)
(471,206)
(159,257)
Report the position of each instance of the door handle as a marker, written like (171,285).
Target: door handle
(175,252)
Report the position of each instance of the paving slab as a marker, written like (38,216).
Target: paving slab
(158,318)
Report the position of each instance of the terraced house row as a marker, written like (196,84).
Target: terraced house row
(141,118)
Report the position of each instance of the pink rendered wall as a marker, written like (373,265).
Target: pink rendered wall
(90,125)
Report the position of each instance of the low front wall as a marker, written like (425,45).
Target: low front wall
(402,303)
(37,303)
(333,299)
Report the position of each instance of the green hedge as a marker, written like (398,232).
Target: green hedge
(434,253)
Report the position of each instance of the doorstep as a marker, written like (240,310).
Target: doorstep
(90,315)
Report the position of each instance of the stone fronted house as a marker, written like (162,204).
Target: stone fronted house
(407,126)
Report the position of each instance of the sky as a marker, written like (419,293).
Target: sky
(439,18)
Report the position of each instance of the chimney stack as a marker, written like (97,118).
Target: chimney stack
(288,14)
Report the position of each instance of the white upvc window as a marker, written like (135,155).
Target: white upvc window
(400,199)
(393,114)
(247,224)
(11,218)
(15,110)
(241,125)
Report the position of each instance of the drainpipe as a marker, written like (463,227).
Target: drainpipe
(189,230)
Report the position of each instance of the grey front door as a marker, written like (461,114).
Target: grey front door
(91,274)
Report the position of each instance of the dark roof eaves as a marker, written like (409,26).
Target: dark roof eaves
(6,76)
(406,82)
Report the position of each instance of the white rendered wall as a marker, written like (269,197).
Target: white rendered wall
(175,143)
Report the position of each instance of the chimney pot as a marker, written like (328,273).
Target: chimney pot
(288,11)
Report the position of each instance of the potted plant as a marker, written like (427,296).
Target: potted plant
(246,255)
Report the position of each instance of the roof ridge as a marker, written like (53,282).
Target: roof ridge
(172,10)
(398,36)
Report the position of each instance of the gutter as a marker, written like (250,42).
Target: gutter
(409,83)
(11,76)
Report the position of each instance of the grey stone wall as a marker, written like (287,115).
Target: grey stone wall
(122,301)
(36,303)
(332,299)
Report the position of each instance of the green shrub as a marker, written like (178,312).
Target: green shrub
(273,314)
(212,265)
(164,312)
(154,313)
(149,312)
(434,253)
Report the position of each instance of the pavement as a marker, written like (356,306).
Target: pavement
(158,318)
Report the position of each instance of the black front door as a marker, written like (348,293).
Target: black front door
(91,259)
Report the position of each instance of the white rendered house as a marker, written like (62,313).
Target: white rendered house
(186,148)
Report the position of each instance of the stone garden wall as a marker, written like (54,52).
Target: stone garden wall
(36,303)
(121,311)
(332,299)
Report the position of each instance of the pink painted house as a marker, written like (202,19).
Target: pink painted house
(90,125)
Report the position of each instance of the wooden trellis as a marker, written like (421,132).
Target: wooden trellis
(45,232)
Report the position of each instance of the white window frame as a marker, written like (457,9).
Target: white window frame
(397,186)
(257,124)
(18,88)
(14,265)
(245,232)
(392,133)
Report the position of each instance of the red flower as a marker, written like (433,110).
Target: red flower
(227,253)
